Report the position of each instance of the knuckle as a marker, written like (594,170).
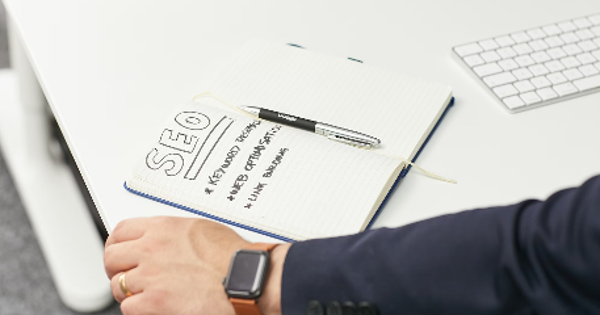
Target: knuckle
(146,248)
(154,244)
(149,247)
(158,299)
(170,223)
(108,263)
(161,221)
(109,256)
(149,271)
(119,228)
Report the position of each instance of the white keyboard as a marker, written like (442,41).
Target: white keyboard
(537,66)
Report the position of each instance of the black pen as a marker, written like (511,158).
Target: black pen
(332,132)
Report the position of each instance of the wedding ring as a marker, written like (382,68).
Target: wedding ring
(123,285)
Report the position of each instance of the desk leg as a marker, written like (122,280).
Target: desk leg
(69,240)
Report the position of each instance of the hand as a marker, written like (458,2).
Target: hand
(176,266)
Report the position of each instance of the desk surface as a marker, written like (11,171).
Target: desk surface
(112,70)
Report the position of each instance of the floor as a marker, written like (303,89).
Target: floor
(26,286)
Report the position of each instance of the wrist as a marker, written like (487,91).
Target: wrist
(270,301)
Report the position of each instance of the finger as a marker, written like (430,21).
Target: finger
(121,257)
(132,283)
(127,230)
(136,305)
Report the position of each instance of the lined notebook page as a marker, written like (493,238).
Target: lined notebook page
(399,111)
(275,178)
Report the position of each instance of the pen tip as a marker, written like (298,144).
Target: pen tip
(250,109)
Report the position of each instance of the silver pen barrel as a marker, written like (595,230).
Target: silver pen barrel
(346,136)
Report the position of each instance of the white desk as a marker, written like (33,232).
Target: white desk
(112,70)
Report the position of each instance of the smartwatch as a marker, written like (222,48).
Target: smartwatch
(247,276)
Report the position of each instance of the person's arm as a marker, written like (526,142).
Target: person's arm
(534,257)
(531,258)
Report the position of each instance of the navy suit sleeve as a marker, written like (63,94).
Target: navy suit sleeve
(530,258)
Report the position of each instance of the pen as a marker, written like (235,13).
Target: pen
(332,132)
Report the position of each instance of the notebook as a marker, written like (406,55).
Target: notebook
(284,182)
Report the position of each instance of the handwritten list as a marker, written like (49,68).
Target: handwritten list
(257,173)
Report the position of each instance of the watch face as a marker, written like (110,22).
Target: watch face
(246,274)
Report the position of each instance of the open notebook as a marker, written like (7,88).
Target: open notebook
(288,183)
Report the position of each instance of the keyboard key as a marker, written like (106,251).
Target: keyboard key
(487,69)
(588,70)
(565,89)
(520,37)
(489,44)
(536,33)
(540,57)
(524,61)
(554,41)
(567,26)
(522,74)
(490,56)
(586,58)
(584,34)
(540,82)
(588,83)
(587,45)
(499,79)
(468,49)
(597,65)
(596,41)
(595,19)
(546,93)
(554,66)
(556,53)
(556,78)
(572,74)
(595,30)
(524,86)
(570,62)
(508,64)
(538,45)
(505,91)
(513,102)
(572,49)
(538,70)
(530,98)
(569,38)
(504,41)
(506,52)
(582,23)
(552,30)
(474,60)
(522,49)
(596,54)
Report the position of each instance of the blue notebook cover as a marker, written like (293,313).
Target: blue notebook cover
(279,237)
